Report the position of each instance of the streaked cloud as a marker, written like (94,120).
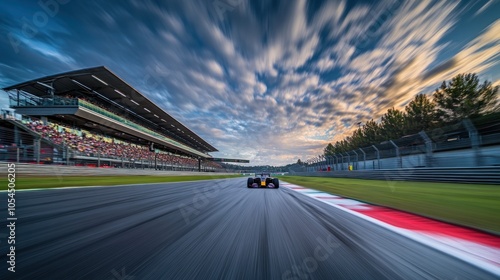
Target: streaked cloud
(270,82)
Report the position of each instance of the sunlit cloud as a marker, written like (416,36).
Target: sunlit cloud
(267,82)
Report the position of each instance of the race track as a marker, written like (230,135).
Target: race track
(208,230)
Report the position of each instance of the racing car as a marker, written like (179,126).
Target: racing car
(263,180)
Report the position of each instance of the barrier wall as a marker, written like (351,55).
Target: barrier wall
(484,175)
(483,156)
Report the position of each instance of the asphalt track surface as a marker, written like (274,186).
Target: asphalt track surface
(208,230)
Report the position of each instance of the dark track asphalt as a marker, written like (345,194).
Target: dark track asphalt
(207,230)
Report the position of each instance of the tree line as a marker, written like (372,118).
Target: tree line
(464,96)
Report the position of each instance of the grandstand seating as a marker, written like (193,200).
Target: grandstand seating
(84,122)
(90,144)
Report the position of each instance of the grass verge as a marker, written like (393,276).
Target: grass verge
(68,181)
(472,205)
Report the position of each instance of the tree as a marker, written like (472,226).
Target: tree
(358,138)
(464,97)
(420,114)
(371,131)
(337,147)
(392,124)
(299,162)
(347,144)
(329,150)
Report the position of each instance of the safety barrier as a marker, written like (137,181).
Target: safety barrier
(484,175)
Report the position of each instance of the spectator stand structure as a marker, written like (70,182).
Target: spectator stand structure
(92,117)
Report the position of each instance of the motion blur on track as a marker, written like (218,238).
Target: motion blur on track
(210,230)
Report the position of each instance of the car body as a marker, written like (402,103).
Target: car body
(263,180)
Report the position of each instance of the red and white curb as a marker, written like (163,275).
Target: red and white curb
(475,247)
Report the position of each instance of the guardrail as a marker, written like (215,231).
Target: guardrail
(439,147)
(483,175)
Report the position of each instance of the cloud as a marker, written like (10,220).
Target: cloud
(484,7)
(268,81)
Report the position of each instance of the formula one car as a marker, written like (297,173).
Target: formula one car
(263,180)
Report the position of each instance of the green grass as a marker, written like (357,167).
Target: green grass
(472,205)
(68,181)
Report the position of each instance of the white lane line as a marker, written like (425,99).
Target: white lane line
(486,253)
(474,258)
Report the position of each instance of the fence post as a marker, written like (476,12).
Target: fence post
(364,158)
(336,162)
(474,140)
(67,155)
(357,159)
(99,158)
(398,158)
(428,148)
(342,161)
(378,156)
(156,163)
(348,160)
(37,149)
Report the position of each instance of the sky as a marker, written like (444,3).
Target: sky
(268,81)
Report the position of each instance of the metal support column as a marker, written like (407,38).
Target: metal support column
(357,167)
(67,155)
(428,148)
(378,156)
(474,140)
(348,160)
(156,161)
(37,147)
(399,159)
(364,158)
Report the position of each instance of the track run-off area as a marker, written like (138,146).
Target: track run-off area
(220,229)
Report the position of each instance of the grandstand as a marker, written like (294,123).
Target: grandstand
(92,117)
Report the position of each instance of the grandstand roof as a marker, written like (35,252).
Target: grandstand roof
(106,83)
